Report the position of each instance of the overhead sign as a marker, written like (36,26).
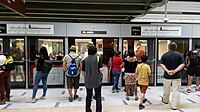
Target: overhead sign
(2,28)
(169,31)
(149,31)
(161,31)
(136,30)
(93,32)
(30,29)
(15,5)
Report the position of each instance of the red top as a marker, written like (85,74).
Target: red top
(117,61)
(138,54)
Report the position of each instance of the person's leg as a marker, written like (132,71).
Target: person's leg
(36,83)
(7,86)
(76,86)
(44,83)
(127,87)
(2,90)
(117,78)
(134,86)
(143,89)
(176,87)
(98,99)
(69,87)
(197,83)
(190,72)
(88,99)
(166,90)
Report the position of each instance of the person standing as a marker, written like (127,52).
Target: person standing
(139,52)
(39,61)
(16,53)
(116,63)
(193,67)
(130,64)
(143,72)
(72,81)
(93,79)
(5,78)
(172,62)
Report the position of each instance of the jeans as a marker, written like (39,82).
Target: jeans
(98,99)
(116,76)
(38,77)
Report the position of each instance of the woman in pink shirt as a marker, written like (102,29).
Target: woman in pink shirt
(116,69)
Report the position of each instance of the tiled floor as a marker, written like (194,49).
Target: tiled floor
(112,102)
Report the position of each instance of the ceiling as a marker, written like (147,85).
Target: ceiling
(81,11)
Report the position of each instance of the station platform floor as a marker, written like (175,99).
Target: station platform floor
(57,101)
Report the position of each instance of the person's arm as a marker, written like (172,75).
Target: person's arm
(165,68)
(180,67)
(149,70)
(64,65)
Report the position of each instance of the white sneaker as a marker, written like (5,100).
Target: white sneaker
(31,100)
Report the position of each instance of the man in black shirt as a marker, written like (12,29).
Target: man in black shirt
(172,62)
(193,67)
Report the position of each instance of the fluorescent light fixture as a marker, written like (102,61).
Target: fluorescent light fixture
(161,20)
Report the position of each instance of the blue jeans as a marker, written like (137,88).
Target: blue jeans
(39,75)
(116,76)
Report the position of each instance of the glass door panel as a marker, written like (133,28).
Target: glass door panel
(147,46)
(182,47)
(17,52)
(105,48)
(56,50)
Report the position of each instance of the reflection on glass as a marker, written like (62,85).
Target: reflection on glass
(182,47)
(54,47)
(56,51)
(17,51)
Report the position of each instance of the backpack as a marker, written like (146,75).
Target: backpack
(194,57)
(9,64)
(46,67)
(72,69)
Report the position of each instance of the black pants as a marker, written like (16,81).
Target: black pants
(98,99)
(5,86)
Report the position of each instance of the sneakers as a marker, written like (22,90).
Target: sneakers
(197,89)
(7,100)
(188,90)
(75,97)
(70,99)
(2,102)
(42,98)
(164,102)
(141,106)
(136,98)
(127,98)
(31,100)
(144,101)
(113,91)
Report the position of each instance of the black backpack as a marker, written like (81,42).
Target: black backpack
(194,57)
(9,64)
(46,67)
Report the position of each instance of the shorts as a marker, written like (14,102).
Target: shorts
(143,89)
(130,78)
(193,71)
(73,82)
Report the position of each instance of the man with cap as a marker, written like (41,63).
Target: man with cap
(72,82)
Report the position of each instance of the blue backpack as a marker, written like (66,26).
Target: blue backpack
(72,68)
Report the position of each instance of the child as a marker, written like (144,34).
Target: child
(143,72)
